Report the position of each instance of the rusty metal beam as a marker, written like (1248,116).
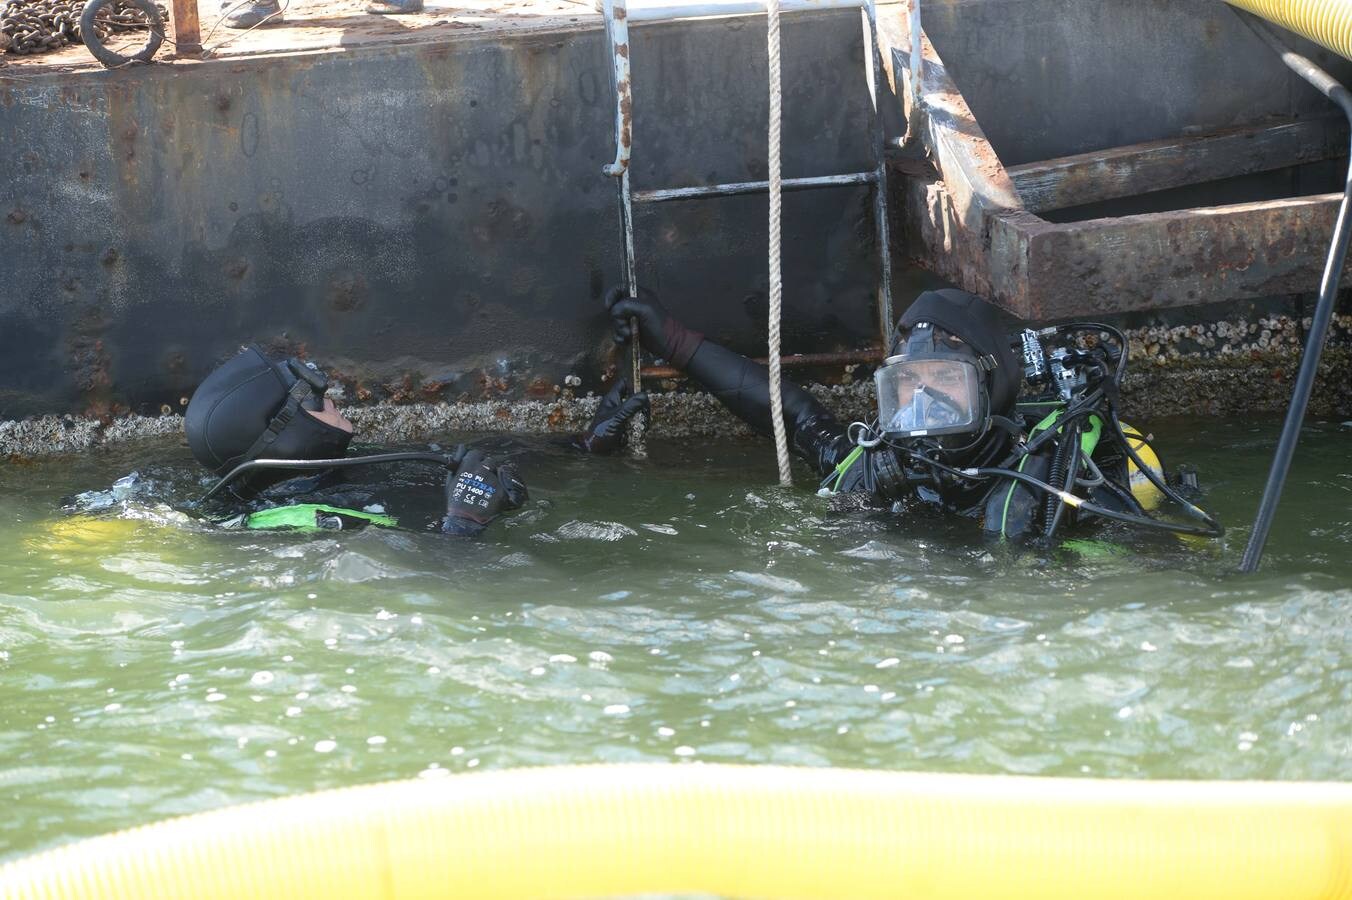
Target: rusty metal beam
(1157,165)
(1178,258)
(796,360)
(187,29)
(949,216)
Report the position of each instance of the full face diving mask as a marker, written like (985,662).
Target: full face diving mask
(931,388)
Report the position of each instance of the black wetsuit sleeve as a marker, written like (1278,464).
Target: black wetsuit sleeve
(743,386)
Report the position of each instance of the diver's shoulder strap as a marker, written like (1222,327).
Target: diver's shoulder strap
(299,391)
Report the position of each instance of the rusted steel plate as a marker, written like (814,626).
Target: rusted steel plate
(429,221)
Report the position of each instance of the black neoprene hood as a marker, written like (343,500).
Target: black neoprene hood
(975,322)
(236,404)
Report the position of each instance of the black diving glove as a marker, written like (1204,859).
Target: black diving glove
(662,335)
(607,430)
(478,491)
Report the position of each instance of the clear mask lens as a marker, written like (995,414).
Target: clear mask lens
(928,396)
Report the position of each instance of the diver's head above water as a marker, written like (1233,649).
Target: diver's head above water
(949,369)
(254,407)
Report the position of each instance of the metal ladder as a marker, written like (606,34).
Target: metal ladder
(617,30)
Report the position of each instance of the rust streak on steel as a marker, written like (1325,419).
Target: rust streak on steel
(795,360)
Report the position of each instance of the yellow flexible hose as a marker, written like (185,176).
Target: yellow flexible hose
(748,831)
(1326,22)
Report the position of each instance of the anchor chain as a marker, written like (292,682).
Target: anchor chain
(37,26)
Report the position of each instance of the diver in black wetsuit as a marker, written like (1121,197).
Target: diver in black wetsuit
(950,430)
(278,443)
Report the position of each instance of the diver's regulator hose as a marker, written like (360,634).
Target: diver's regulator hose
(449,460)
(982,472)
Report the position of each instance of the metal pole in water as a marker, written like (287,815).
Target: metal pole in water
(1323,314)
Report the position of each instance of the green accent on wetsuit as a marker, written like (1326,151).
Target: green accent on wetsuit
(844,465)
(1088,444)
(306,517)
(1095,549)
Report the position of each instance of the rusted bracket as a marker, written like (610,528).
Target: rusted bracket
(972,225)
(187,28)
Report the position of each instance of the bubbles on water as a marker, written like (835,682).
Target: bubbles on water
(887,663)
(578,530)
(616,709)
(325,746)
(261,678)
(664,731)
(375,740)
(684,750)
(215,697)
(562,658)
(774,583)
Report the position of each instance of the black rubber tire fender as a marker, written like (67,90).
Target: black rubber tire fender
(108,57)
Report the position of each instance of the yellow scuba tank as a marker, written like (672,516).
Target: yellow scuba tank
(81,534)
(1142,489)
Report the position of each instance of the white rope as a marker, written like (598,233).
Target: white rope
(776,274)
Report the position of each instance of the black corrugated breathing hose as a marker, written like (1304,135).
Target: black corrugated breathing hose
(1323,313)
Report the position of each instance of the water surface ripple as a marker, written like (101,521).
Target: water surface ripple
(677,608)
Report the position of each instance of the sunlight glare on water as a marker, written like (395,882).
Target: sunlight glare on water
(675,609)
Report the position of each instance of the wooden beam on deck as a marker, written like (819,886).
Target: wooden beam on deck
(1157,165)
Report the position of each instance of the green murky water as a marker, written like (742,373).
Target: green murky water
(674,609)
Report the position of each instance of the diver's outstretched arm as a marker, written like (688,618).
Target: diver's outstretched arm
(740,384)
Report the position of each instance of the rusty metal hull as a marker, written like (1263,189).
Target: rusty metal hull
(430,220)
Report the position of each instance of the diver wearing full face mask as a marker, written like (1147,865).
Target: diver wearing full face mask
(265,427)
(950,430)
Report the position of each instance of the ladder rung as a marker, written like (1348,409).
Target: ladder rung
(753,187)
(642,11)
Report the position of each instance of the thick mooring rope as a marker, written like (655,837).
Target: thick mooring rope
(776,273)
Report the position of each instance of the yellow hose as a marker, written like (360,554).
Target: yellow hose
(731,830)
(1326,22)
